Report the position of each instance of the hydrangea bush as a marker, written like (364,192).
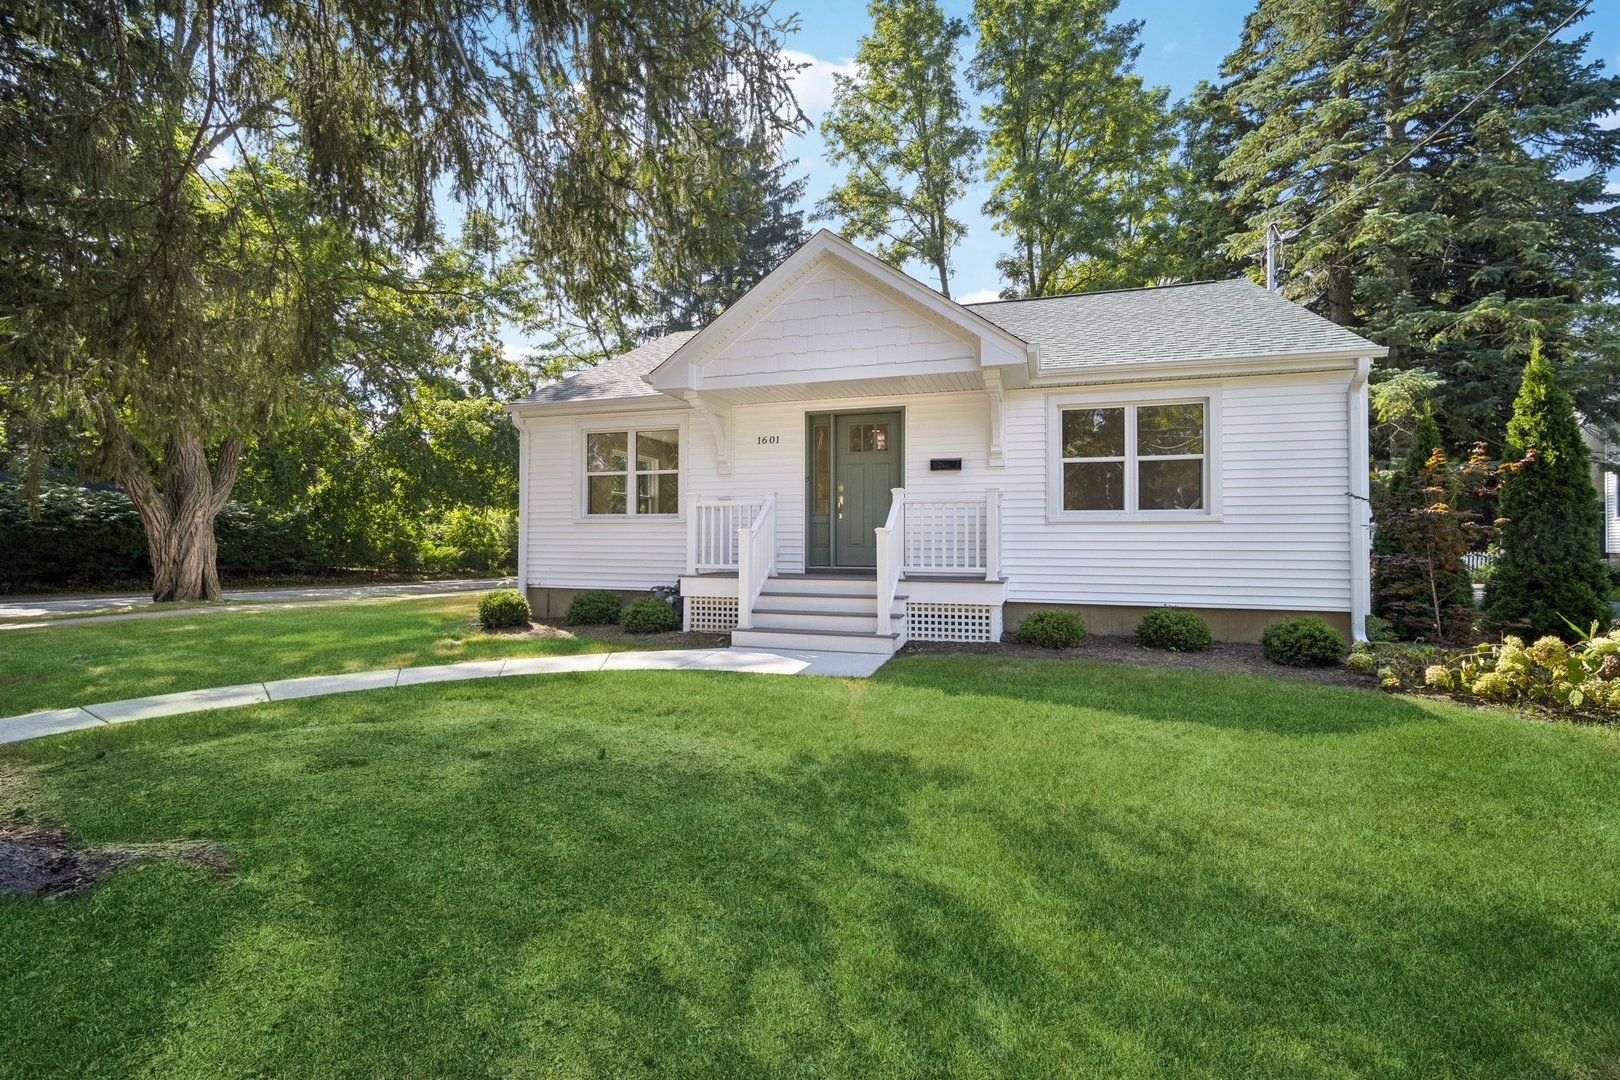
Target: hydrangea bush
(1548,673)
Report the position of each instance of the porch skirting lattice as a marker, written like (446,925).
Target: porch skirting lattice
(712,614)
(947,622)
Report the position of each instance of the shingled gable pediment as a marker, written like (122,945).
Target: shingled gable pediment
(832,313)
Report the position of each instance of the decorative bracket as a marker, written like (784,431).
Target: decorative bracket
(998,416)
(719,418)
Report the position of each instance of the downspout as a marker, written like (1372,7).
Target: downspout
(1359,494)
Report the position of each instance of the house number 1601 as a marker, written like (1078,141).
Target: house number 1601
(769,440)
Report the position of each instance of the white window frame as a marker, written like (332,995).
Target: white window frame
(631,425)
(1113,398)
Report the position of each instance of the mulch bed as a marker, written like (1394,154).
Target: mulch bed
(675,639)
(1226,657)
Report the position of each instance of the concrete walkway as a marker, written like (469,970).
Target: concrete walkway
(55,721)
(235,598)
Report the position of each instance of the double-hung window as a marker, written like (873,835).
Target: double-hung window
(1133,458)
(641,483)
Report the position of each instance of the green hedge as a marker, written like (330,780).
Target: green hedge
(90,536)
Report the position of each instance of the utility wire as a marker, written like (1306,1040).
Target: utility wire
(1431,136)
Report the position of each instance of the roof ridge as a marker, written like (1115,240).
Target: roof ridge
(1105,292)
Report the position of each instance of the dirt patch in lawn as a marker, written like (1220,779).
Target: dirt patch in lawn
(1227,657)
(38,858)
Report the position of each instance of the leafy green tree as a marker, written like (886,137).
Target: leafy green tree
(1550,568)
(164,305)
(768,227)
(900,127)
(1450,242)
(1202,209)
(1077,147)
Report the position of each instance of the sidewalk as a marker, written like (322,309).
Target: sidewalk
(756,661)
(87,605)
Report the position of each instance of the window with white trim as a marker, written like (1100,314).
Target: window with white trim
(1133,458)
(652,472)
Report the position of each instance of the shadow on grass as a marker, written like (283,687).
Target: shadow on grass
(1243,702)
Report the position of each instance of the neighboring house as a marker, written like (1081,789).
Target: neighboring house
(845,459)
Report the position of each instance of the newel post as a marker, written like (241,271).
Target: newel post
(992,534)
(691,534)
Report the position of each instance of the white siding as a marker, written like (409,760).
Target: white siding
(1281,541)
(830,324)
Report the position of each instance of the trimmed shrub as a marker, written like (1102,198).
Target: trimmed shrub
(1051,630)
(1302,642)
(596,607)
(1173,629)
(503,609)
(650,615)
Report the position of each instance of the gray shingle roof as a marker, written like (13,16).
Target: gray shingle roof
(1203,320)
(621,376)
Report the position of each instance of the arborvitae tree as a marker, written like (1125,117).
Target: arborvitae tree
(1497,229)
(901,128)
(1077,148)
(1550,568)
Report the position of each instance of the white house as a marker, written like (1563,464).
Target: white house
(846,459)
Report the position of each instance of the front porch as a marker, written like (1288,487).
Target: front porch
(937,578)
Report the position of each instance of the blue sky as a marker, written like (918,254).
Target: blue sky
(1183,41)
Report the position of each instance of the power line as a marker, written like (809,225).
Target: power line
(1271,228)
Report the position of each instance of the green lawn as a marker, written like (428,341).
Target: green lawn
(966,866)
(65,665)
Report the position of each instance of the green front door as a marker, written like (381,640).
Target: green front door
(866,464)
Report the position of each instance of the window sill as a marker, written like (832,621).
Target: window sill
(623,519)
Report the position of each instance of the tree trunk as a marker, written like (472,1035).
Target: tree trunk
(179,516)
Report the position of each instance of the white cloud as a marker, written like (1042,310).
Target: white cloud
(813,83)
(1609,121)
(1170,47)
(979,296)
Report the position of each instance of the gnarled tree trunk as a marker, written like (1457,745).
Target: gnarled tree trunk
(179,515)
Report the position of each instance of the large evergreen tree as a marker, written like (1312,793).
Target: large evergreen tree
(1077,147)
(1453,252)
(900,127)
(163,305)
(1551,567)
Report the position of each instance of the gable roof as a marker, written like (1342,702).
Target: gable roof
(622,376)
(1202,320)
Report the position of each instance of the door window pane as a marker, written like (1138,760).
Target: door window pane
(1094,485)
(1169,429)
(658,493)
(868,438)
(1177,484)
(605,494)
(1093,433)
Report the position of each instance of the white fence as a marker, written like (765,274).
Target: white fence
(953,536)
(712,526)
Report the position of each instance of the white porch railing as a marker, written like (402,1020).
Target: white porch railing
(756,560)
(953,536)
(891,547)
(711,532)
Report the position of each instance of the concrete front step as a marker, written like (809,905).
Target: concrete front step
(816,640)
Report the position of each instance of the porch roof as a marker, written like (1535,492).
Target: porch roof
(622,376)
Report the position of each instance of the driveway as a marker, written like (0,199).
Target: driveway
(34,609)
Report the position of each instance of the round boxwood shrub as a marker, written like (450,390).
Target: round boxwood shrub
(503,609)
(1051,630)
(1173,629)
(650,615)
(597,607)
(1302,642)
